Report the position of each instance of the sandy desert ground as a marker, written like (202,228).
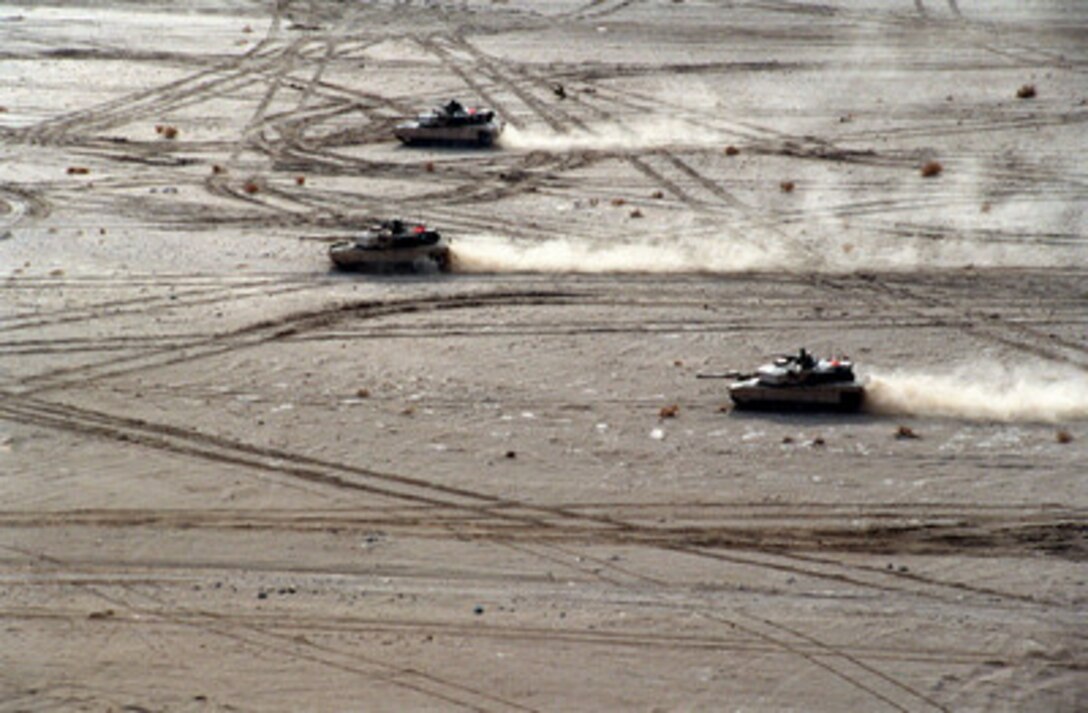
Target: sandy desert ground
(233,479)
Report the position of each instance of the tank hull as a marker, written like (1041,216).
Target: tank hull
(754,396)
(471,135)
(421,259)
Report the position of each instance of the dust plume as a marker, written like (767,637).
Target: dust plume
(688,251)
(637,134)
(1033,393)
(562,255)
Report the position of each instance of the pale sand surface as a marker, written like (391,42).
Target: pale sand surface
(231,479)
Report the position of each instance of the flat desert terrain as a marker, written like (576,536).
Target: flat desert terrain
(234,479)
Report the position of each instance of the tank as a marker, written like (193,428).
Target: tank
(800,382)
(451,123)
(393,246)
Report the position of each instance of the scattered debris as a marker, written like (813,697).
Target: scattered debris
(1064,436)
(669,411)
(636,213)
(906,433)
(731,151)
(657,434)
(1026,92)
(78,170)
(931,169)
(169,132)
(787,186)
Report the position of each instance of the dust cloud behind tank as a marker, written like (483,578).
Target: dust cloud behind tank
(451,124)
(799,382)
(393,246)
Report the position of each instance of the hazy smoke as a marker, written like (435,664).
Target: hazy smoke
(1040,393)
(830,224)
